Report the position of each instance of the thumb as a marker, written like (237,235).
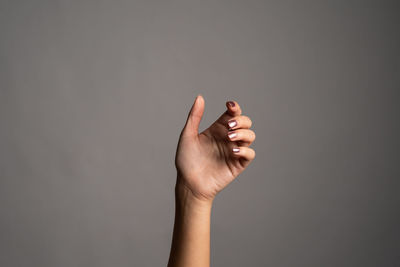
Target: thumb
(194,117)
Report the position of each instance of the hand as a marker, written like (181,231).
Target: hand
(207,162)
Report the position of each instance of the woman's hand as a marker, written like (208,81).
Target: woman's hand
(206,163)
(209,161)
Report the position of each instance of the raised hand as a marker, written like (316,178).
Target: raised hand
(207,162)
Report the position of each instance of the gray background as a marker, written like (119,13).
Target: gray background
(94,95)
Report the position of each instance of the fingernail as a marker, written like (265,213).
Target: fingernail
(236,150)
(231,103)
(232,123)
(232,135)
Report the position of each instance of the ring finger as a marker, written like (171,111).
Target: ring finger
(245,136)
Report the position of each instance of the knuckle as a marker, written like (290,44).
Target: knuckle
(249,121)
(247,134)
(246,120)
(250,153)
(252,135)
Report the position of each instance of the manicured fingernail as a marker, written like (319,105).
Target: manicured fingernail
(232,123)
(232,135)
(236,150)
(231,103)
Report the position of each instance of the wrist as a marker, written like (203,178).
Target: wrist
(186,197)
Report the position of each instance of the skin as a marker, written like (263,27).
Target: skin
(206,163)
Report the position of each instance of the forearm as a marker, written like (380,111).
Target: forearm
(191,235)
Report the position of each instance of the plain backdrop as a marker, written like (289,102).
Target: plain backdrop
(94,94)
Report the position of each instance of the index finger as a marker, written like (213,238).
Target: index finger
(233,108)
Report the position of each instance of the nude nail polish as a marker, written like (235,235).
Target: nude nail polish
(232,123)
(232,135)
